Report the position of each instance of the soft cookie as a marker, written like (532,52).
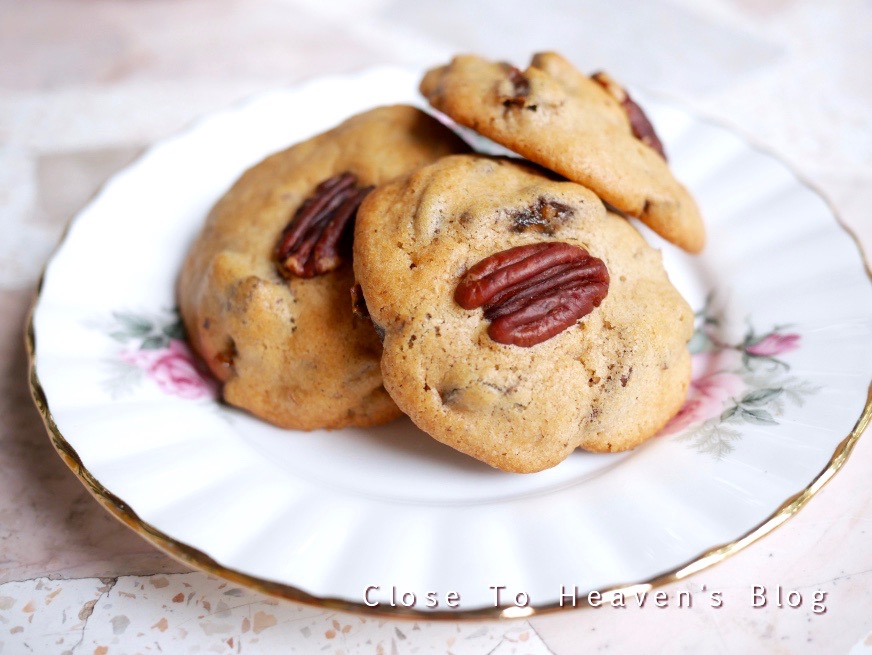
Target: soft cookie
(585,128)
(521,319)
(264,291)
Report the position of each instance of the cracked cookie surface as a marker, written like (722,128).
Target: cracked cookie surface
(289,350)
(558,117)
(606,383)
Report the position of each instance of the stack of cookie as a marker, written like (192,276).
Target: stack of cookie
(506,305)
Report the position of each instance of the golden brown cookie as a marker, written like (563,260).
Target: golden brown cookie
(288,348)
(604,383)
(558,117)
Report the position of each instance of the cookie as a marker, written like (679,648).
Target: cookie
(276,327)
(580,127)
(604,382)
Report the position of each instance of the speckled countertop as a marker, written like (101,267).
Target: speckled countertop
(85,86)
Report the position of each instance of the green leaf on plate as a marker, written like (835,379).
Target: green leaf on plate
(761,396)
(133,324)
(174,330)
(154,342)
(759,416)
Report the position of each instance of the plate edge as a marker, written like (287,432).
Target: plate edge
(201,561)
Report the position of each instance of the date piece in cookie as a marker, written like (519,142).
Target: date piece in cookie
(587,129)
(265,289)
(444,254)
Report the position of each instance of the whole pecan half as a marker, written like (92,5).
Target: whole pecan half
(310,244)
(639,123)
(533,292)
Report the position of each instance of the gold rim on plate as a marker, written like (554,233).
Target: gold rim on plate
(201,561)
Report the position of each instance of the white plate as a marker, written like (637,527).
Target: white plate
(784,356)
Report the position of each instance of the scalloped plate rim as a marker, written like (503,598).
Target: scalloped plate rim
(192,556)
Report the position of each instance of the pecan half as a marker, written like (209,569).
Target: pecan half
(310,244)
(533,292)
(639,123)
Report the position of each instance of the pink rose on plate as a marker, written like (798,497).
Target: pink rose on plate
(706,399)
(174,369)
(176,373)
(140,358)
(773,344)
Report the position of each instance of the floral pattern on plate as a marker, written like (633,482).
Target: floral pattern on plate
(154,348)
(745,382)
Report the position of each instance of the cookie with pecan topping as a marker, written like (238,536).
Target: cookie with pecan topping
(265,289)
(588,129)
(521,319)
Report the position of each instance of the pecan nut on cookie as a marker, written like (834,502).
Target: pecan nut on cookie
(588,129)
(521,319)
(264,291)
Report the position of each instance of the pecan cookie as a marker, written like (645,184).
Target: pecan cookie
(521,319)
(585,128)
(264,291)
